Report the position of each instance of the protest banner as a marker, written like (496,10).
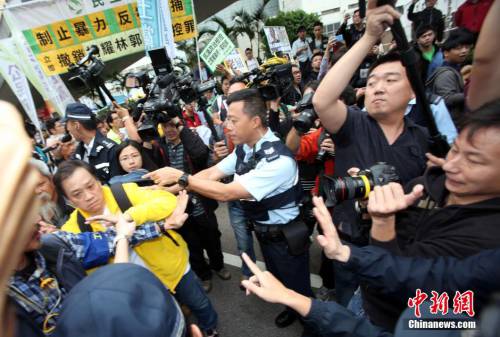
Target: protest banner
(277,39)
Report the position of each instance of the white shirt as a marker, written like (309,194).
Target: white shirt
(88,148)
(252,64)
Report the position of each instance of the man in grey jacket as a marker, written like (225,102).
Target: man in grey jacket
(446,81)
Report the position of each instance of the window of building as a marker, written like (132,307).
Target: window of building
(331,11)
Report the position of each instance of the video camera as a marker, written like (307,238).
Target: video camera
(87,73)
(165,93)
(336,190)
(273,78)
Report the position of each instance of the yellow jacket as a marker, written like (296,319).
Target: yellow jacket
(165,259)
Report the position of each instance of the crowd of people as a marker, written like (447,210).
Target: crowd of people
(345,150)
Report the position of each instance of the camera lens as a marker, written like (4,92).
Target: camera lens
(305,121)
(349,188)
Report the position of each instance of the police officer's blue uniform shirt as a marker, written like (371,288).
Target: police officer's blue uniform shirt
(269,178)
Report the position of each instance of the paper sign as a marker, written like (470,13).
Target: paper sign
(219,47)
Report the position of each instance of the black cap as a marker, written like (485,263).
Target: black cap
(78,112)
(122,300)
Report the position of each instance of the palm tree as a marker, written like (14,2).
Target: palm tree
(251,24)
(221,25)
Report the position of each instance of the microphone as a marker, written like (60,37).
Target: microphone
(66,138)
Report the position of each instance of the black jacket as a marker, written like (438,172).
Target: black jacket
(432,229)
(102,157)
(351,35)
(429,16)
(324,43)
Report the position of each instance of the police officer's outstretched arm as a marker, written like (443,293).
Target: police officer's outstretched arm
(327,104)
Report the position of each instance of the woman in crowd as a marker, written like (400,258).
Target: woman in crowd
(134,163)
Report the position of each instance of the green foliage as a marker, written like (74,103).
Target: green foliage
(291,21)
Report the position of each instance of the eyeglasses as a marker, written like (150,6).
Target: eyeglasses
(132,156)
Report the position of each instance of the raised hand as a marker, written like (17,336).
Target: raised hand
(329,240)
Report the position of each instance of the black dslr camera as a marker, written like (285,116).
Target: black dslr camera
(336,190)
(307,116)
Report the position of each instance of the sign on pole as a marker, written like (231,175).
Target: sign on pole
(183,22)
(59,37)
(20,87)
(156,25)
(215,52)
(277,39)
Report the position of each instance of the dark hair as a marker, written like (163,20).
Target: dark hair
(318,23)
(422,29)
(109,118)
(487,116)
(147,162)
(301,29)
(253,103)
(248,49)
(313,84)
(225,77)
(318,53)
(356,11)
(51,124)
(66,169)
(392,56)
(457,38)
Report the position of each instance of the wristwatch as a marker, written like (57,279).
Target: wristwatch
(183,180)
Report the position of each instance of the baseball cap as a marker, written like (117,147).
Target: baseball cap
(78,112)
(120,300)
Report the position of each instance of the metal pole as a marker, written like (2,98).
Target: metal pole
(196,38)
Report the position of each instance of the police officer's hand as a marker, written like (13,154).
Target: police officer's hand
(179,215)
(329,241)
(220,150)
(164,176)
(378,18)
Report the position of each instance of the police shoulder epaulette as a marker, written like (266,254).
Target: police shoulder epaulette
(107,143)
(269,152)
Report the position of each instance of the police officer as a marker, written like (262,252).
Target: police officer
(93,147)
(266,181)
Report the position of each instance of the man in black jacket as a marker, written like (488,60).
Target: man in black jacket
(183,149)
(429,16)
(458,216)
(354,32)
(319,42)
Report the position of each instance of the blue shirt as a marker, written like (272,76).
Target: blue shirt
(267,179)
(442,118)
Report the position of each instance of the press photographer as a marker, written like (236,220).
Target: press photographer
(379,134)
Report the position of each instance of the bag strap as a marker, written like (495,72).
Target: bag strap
(121,197)
(84,227)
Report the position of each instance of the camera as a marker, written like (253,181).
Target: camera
(273,78)
(336,190)
(163,98)
(307,116)
(87,73)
